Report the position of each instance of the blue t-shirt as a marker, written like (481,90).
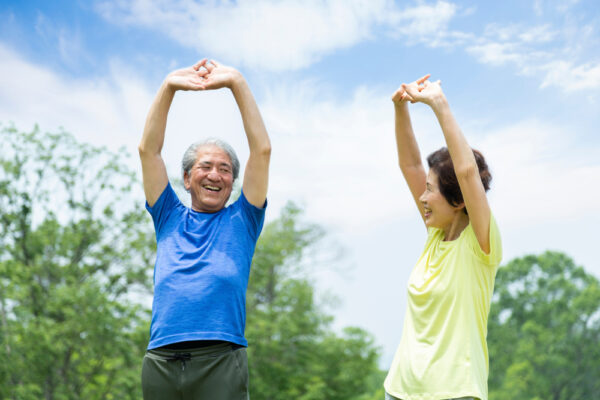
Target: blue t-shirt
(201,271)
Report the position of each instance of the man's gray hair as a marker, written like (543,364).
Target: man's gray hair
(190,155)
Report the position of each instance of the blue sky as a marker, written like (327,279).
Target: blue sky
(523,78)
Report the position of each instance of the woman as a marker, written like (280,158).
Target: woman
(443,350)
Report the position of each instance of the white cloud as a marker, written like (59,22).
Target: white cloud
(541,51)
(424,19)
(67,42)
(338,158)
(107,111)
(495,53)
(570,77)
(262,34)
(562,6)
(539,170)
(537,34)
(565,5)
(287,35)
(428,24)
(538,7)
(276,35)
(343,153)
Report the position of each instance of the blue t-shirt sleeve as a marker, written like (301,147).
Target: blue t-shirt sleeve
(254,216)
(161,210)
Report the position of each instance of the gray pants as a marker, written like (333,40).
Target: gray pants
(218,372)
(390,397)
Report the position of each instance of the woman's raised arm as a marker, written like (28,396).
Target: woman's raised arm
(409,156)
(462,156)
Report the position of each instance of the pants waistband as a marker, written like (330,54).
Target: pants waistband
(206,351)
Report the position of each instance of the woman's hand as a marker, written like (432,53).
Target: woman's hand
(425,91)
(401,96)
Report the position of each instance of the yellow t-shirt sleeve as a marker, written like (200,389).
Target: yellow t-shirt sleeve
(495,255)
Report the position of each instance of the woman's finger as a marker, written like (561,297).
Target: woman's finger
(406,97)
(398,94)
(411,89)
(423,79)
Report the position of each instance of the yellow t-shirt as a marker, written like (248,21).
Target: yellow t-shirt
(443,351)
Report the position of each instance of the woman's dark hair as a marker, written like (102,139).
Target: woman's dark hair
(441,163)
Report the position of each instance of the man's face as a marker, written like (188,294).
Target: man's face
(210,179)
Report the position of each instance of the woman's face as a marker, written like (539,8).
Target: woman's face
(438,212)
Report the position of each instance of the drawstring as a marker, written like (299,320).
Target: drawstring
(183,357)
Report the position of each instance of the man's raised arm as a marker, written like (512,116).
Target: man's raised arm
(256,175)
(153,167)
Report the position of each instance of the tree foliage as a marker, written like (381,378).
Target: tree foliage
(74,250)
(544,330)
(293,352)
(76,255)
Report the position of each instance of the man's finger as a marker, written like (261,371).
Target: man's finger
(199,64)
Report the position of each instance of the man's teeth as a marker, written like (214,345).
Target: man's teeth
(213,188)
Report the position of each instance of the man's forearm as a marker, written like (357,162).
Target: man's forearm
(156,121)
(256,132)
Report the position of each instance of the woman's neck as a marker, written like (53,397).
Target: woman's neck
(458,224)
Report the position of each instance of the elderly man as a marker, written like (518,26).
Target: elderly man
(197,348)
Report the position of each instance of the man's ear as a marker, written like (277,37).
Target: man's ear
(186,181)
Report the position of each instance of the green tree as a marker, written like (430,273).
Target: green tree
(76,254)
(75,250)
(544,330)
(293,352)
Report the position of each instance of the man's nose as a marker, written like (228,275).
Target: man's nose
(213,175)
